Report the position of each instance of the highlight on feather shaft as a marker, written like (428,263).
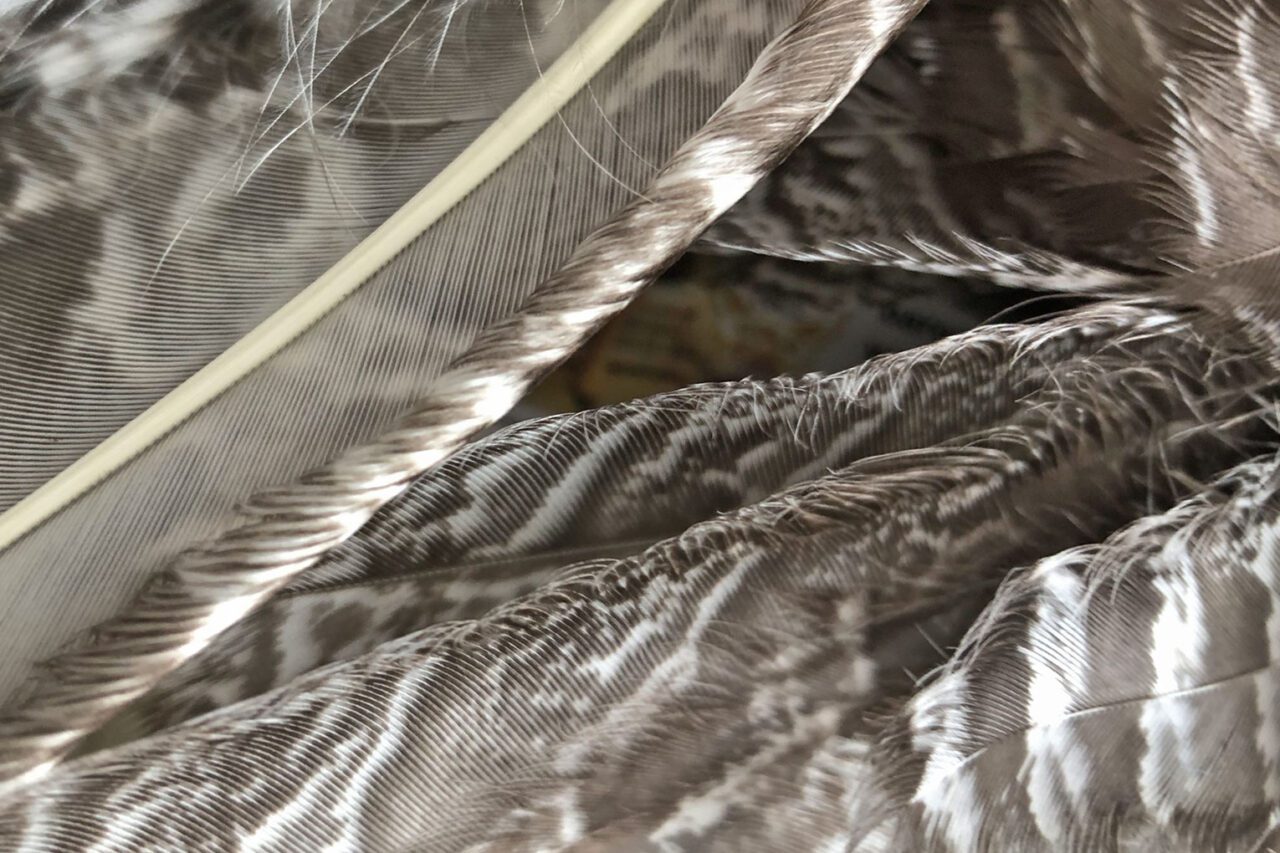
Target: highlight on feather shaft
(794,84)
(535,107)
(553,521)
(1015,588)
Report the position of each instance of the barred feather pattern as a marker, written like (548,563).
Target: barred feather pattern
(626,701)
(348,378)
(914,171)
(796,83)
(1131,141)
(750,682)
(461,540)
(1116,697)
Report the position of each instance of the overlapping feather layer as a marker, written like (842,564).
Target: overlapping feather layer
(1012,590)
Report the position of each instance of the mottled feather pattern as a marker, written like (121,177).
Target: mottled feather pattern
(915,171)
(1144,674)
(1131,138)
(1015,589)
(795,82)
(705,639)
(625,477)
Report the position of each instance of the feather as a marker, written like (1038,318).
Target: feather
(794,85)
(1121,144)
(236,225)
(694,621)
(461,540)
(698,662)
(1119,696)
(1038,182)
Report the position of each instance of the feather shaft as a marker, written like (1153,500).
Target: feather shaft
(531,111)
(794,85)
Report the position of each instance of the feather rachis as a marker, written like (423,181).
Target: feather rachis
(704,178)
(490,150)
(1115,695)
(1155,549)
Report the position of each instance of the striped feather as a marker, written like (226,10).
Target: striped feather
(1115,697)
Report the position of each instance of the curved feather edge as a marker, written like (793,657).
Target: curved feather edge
(794,85)
(1115,697)
(536,106)
(730,663)
(348,379)
(1204,113)
(54,50)
(912,130)
(499,517)
(1130,142)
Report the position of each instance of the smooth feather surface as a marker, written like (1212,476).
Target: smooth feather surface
(178,170)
